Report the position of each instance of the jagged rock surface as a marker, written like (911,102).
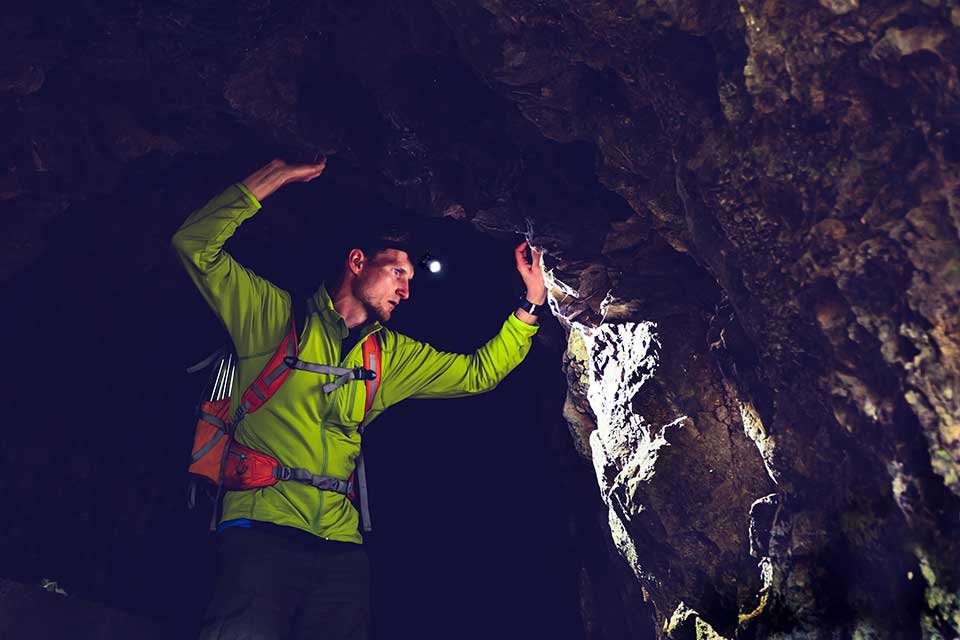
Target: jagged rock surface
(762,329)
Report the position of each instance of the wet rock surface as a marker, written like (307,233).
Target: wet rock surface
(751,216)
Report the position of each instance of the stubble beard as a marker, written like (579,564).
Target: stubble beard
(373,311)
(376,312)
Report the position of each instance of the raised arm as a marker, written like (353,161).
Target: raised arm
(252,309)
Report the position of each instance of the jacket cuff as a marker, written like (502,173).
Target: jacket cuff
(517,324)
(252,199)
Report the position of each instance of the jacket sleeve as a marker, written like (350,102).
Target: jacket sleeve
(253,310)
(417,370)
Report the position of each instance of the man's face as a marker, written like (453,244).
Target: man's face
(383,282)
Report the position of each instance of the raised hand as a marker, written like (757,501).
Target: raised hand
(531,273)
(267,179)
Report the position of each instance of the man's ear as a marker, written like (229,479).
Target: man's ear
(355,260)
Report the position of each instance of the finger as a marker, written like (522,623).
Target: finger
(308,172)
(318,169)
(520,254)
(318,166)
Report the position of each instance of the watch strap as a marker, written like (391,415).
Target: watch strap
(530,307)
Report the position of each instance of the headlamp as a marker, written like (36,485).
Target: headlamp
(431,263)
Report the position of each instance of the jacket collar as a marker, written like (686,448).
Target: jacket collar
(330,315)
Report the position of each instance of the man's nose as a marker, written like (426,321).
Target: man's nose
(403,291)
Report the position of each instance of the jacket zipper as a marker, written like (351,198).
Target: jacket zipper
(323,447)
(323,425)
(323,472)
(354,383)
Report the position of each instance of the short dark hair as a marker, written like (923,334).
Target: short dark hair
(376,235)
(385,235)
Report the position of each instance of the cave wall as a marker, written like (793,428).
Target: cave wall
(806,158)
(760,304)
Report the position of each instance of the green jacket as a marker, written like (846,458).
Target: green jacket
(300,425)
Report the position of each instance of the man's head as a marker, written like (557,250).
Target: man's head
(380,281)
(378,271)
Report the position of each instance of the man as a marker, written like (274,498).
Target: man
(289,557)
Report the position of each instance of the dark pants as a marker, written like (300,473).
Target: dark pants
(279,587)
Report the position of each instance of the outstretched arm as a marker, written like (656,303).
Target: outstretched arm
(418,370)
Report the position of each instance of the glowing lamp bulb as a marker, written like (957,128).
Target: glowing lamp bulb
(431,263)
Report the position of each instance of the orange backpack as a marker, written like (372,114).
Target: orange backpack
(226,464)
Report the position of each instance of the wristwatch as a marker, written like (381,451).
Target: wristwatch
(530,307)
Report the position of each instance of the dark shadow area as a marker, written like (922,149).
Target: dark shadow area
(471,509)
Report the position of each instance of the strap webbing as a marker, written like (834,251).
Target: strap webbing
(362,492)
(209,360)
(210,444)
(239,415)
(343,375)
(325,483)
(276,373)
(312,367)
(214,420)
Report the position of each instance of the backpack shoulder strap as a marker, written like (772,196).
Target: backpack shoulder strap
(274,373)
(372,360)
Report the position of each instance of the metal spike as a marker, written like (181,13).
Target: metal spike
(223,380)
(223,392)
(233,370)
(216,382)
